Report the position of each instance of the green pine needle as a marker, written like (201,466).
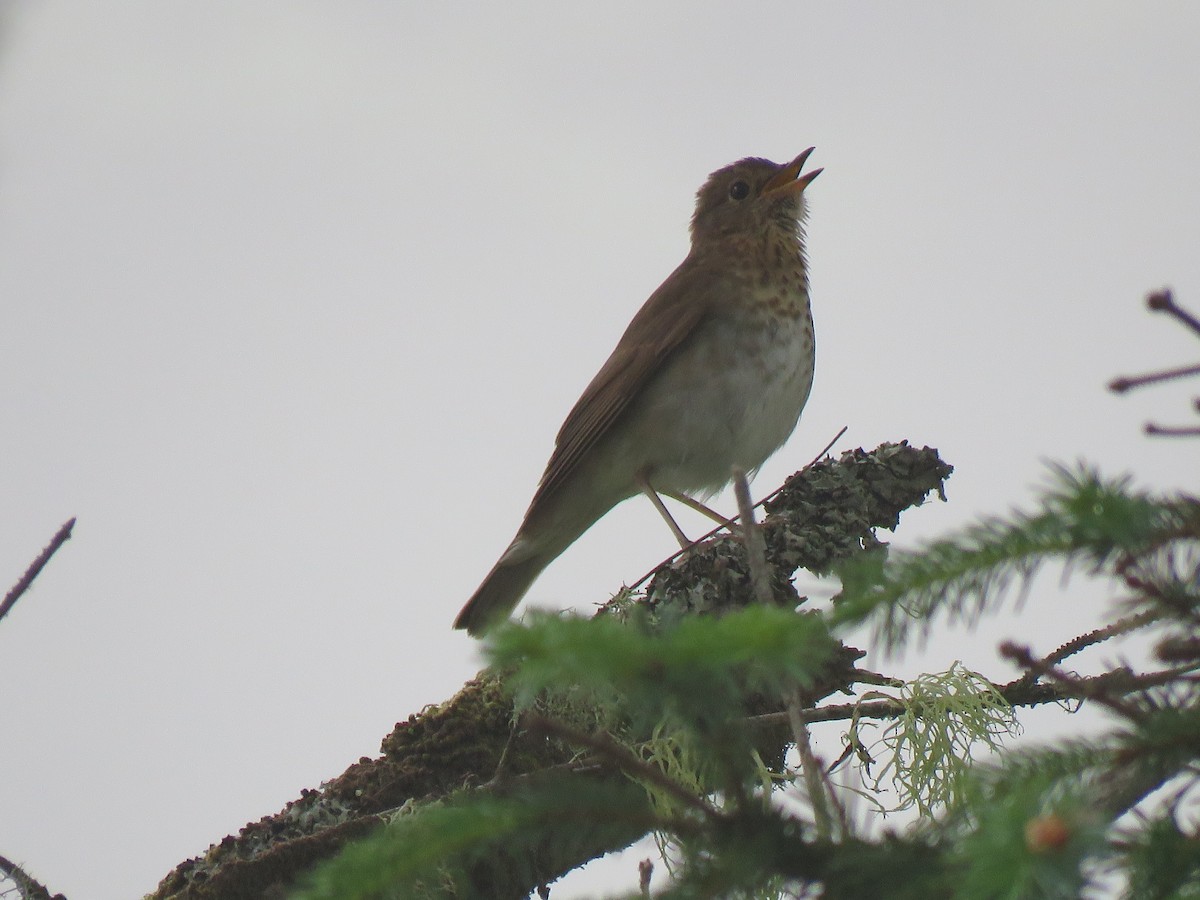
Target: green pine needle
(1083,518)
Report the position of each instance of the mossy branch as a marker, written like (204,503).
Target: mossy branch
(825,513)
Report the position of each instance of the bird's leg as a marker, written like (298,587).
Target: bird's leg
(693,503)
(649,491)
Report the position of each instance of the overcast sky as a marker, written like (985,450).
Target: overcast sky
(294,297)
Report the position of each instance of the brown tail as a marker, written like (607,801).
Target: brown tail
(499,594)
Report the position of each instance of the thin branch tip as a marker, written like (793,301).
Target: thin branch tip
(1160,300)
(60,537)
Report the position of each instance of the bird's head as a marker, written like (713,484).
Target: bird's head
(751,197)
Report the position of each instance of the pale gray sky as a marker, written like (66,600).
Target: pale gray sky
(295,296)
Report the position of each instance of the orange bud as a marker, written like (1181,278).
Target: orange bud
(1047,834)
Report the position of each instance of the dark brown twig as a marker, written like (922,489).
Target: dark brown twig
(865,676)
(816,459)
(1164,301)
(1121,626)
(1172,431)
(645,872)
(1129,382)
(816,779)
(1083,688)
(36,567)
(1020,692)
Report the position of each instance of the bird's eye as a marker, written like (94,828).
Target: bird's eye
(739,190)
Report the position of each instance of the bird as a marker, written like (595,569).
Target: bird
(712,373)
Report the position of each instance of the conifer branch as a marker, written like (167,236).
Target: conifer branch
(825,513)
(1099,691)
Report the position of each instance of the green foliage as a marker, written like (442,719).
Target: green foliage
(1021,846)
(1069,764)
(695,676)
(1167,730)
(1163,860)
(1082,518)
(469,845)
(686,687)
(673,716)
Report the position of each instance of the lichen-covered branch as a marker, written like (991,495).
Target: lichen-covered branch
(12,874)
(826,512)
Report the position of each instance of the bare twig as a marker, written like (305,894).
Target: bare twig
(1172,431)
(834,712)
(820,456)
(1129,382)
(36,567)
(1164,301)
(1121,626)
(1020,692)
(820,792)
(645,872)
(865,676)
(1083,688)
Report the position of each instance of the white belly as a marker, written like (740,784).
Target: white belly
(734,403)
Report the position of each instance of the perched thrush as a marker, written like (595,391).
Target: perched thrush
(712,373)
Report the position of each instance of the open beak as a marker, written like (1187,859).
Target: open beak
(788,180)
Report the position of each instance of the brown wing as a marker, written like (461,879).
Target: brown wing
(663,323)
